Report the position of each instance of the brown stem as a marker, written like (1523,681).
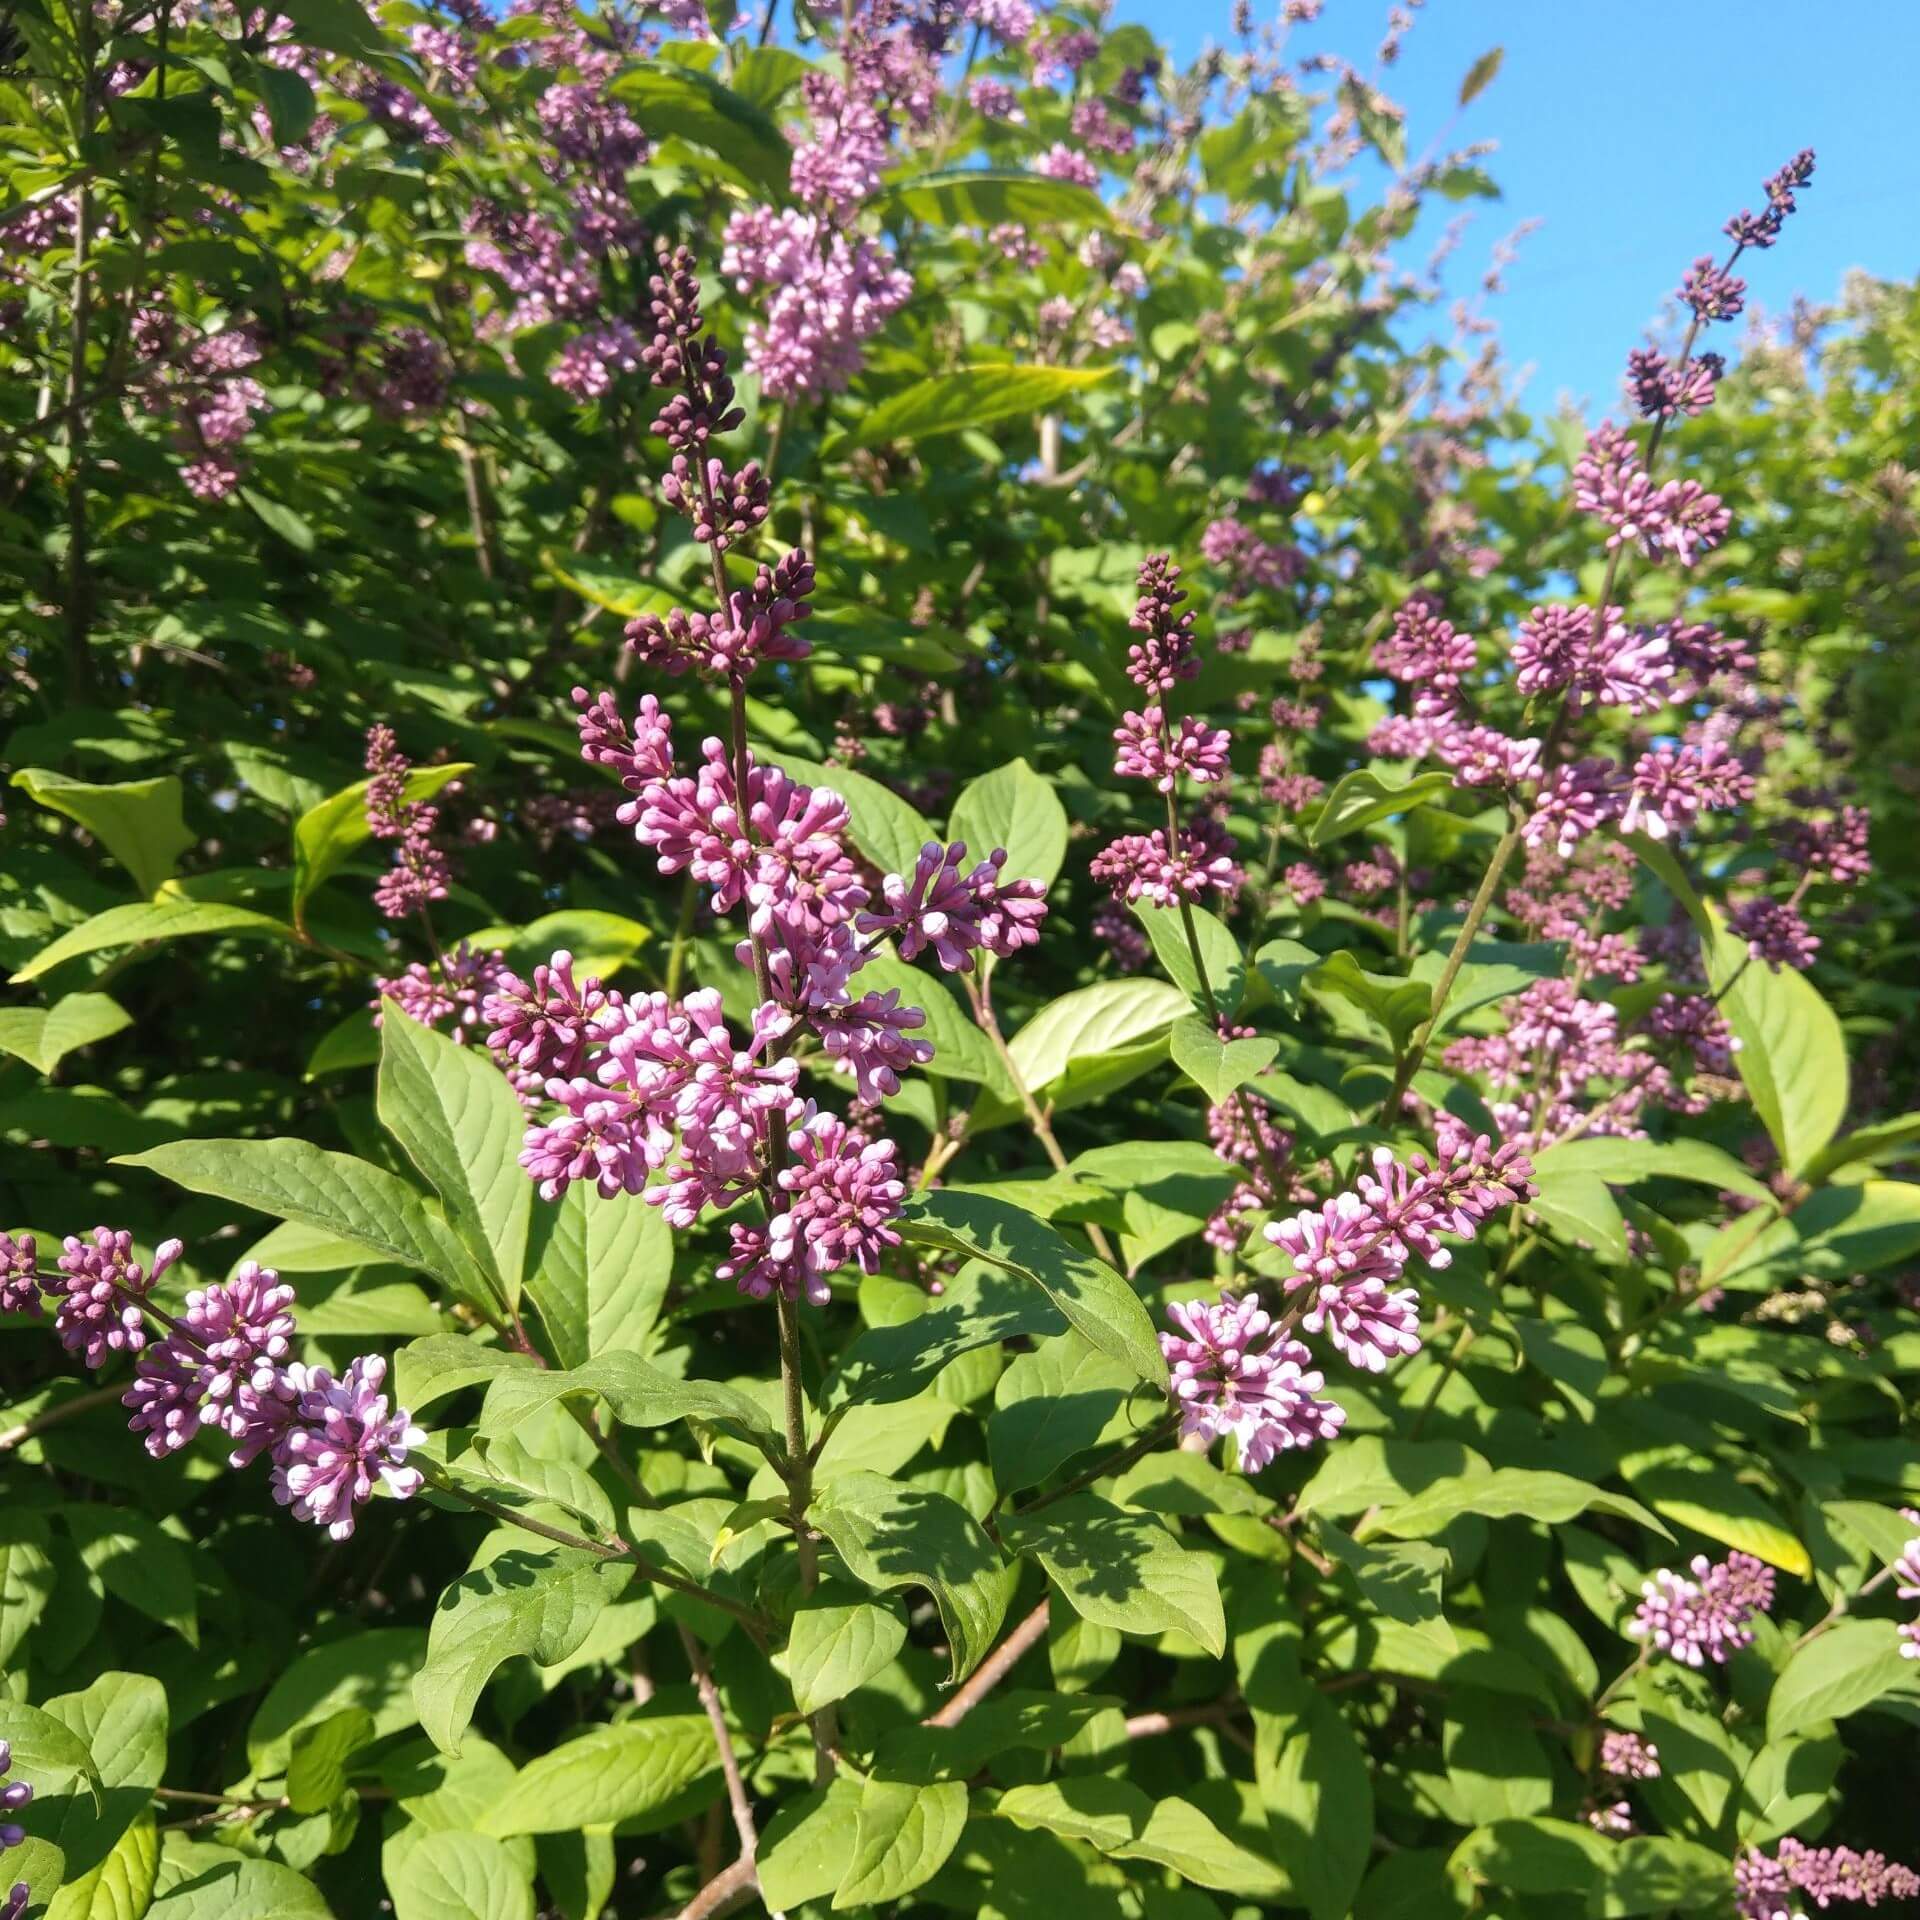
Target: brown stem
(729,1761)
(723,1893)
(993,1669)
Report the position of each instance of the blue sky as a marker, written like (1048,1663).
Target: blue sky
(1632,129)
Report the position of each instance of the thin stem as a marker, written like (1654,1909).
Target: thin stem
(1116,1462)
(1841,1604)
(755,1622)
(723,1893)
(1449,1367)
(52,1416)
(682,934)
(1457,958)
(1276,1184)
(729,1761)
(799,1471)
(995,1668)
(79,575)
(1042,1128)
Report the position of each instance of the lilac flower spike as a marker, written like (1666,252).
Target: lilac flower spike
(101,1287)
(342,1442)
(19,1274)
(1226,1382)
(1706,1616)
(953,913)
(13,1796)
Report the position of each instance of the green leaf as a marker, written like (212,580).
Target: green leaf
(982,1306)
(902,1837)
(1536,1855)
(1624,1162)
(27,1577)
(322,1754)
(992,197)
(372,1669)
(1883,1140)
(1219,951)
(805,1847)
(966,399)
(336,26)
(601,943)
(1397,1006)
(149,922)
(499,1464)
(139,822)
(606,1776)
(324,837)
(1481,74)
(293,1180)
(1094,1299)
(1217,1067)
(279,518)
(460,1876)
(43,1037)
(840,1640)
(1839,1232)
(882,825)
(426,1371)
(1117,1017)
(1361,797)
(1792,1056)
(1014,808)
(1051,1404)
(539,1604)
(1578,1207)
(138,1562)
(603,1274)
(260,1889)
(107,1841)
(1123,1569)
(888,1536)
(1496,1767)
(120,1887)
(669,99)
(637,1395)
(1693,1492)
(1848,1667)
(1653,1874)
(1119,1819)
(1502,1493)
(451,1109)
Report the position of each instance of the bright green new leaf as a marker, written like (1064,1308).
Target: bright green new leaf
(1217,1067)
(902,1837)
(460,1876)
(43,1037)
(150,923)
(1848,1667)
(607,1775)
(1361,797)
(1014,808)
(139,822)
(840,1640)
(603,1273)
(967,399)
(452,1111)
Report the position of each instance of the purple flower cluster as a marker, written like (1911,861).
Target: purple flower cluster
(420,872)
(222,1363)
(1706,1613)
(1764,1889)
(1351,1252)
(1235,1374)
(1677,519)
(629,1089)
(1150,749)
(19,1274)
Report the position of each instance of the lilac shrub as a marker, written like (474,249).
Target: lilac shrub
(984,1067)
